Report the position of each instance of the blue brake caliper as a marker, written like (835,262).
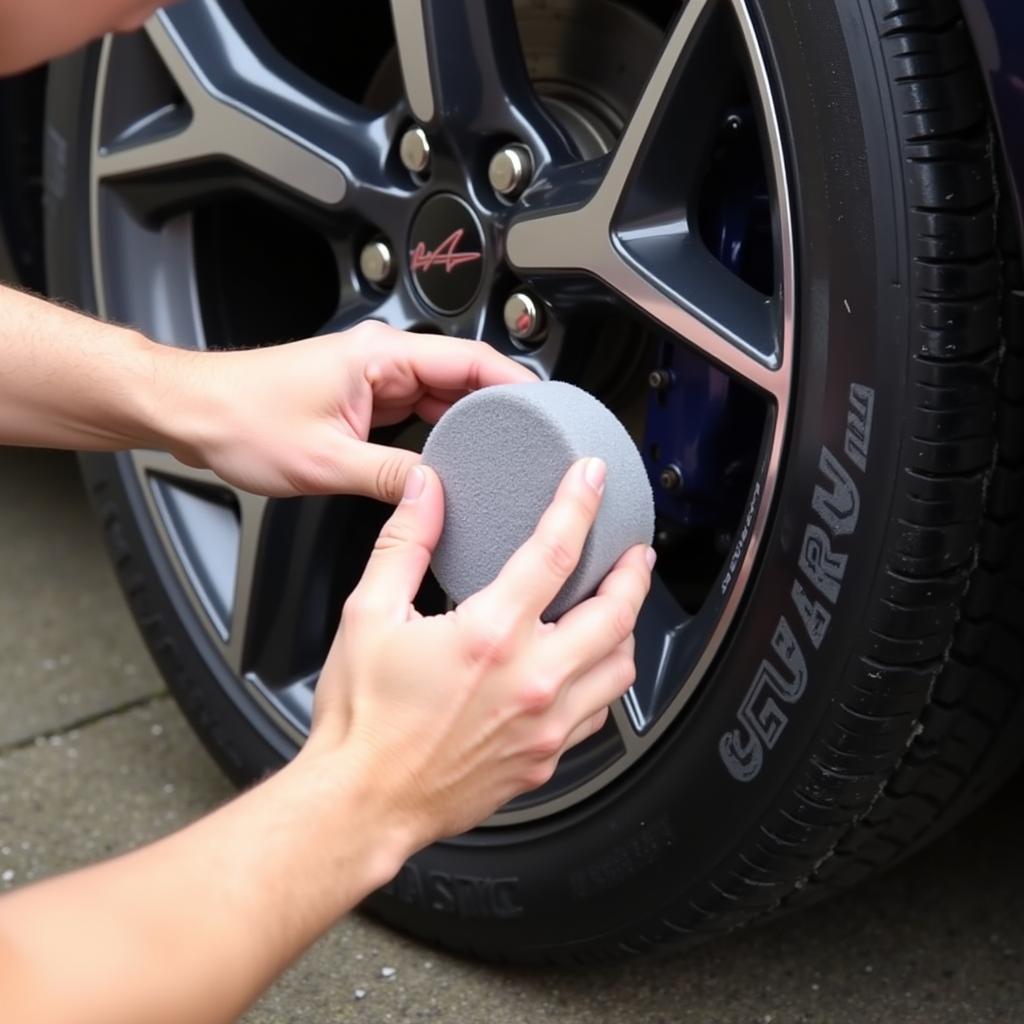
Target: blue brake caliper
(699,422)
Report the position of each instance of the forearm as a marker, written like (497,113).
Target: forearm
(195,926)
(68,381)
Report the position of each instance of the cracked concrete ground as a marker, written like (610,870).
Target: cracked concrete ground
(94,759)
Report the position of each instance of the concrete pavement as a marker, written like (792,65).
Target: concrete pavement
(95,758)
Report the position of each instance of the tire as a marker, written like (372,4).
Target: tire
(885,701)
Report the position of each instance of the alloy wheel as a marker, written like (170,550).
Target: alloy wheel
(494,160)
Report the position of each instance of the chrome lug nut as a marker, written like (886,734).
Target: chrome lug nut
(524,319)
(376,263)
(510,170)
(414,150)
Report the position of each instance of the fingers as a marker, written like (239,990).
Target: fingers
(403,550)
(536,572)
(588,632)
(399,364)
(431,409)
(586,729)
(580,710)
(598,687)
(373,470)
(455,364)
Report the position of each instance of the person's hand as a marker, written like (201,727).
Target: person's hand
(294,419)
(451,716)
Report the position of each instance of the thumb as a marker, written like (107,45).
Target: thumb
(377,471)
(404,547)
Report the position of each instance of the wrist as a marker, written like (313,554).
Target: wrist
(370,837)
(119,410)
(179,409)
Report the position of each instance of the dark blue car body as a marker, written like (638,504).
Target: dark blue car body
(997,28)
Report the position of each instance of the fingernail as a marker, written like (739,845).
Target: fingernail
(415,481)
(652,557)
(594,473)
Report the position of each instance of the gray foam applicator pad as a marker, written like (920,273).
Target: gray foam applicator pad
(501,453)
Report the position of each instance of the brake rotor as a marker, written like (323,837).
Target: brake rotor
(587,59)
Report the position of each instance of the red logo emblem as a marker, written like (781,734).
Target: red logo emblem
(445,255)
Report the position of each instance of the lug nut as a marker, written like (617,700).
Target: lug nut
(734,122)
(509,171)
(414,150)
(670,478)
(523,317)
(376,263)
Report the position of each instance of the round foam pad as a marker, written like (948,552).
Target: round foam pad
(501,453)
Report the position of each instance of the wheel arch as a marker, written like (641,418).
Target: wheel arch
(996,28)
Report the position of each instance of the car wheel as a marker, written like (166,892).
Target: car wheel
(770,237)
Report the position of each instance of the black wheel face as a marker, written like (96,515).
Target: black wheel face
(244,191)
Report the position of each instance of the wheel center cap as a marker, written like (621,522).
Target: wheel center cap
(446,253)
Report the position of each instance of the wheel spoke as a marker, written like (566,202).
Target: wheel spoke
(622,718)
(398,310)
(290,709)
(463,67)
(561,190)
(655,259)
(253,512)
(218,576)
(580,240)
(295,591)
(393,309)
(708,301)
(294,135)
(660,627)
(665,146)
(266,576)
